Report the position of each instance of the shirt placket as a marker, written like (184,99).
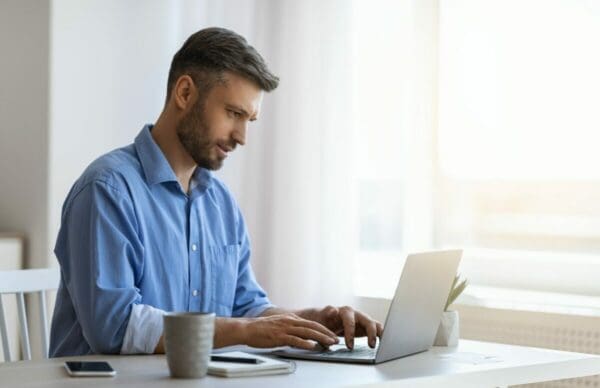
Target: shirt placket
(194,252)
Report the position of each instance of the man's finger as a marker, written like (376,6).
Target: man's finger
(297,342)
(310,334)
(314,326)
(370,328)
(379,329)
(347,317)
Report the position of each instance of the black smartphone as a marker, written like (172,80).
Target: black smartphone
(89,369)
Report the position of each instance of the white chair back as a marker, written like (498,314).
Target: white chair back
(21,282)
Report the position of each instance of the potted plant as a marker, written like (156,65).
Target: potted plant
(448,331)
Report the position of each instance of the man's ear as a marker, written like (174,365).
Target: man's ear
(184,92)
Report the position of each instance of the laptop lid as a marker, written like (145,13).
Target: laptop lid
(415,311)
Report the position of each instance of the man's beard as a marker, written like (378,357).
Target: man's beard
(194,135)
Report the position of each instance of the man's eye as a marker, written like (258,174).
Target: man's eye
(235,114)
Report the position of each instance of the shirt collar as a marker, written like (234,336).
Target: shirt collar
(156,166)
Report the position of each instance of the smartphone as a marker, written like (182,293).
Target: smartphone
(89,368)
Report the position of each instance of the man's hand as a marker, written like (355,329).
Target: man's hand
(286,330)
(347,321)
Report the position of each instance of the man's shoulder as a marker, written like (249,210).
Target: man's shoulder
(115,169)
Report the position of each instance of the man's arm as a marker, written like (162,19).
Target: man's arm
(268,332)
(100,257)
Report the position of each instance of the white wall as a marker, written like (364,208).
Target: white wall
(109,66)
(24,122)
(81,78)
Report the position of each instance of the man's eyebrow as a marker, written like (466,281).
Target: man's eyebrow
(239,108)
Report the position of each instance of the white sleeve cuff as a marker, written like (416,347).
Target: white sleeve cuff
(143,330)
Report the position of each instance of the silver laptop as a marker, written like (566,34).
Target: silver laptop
(413,317)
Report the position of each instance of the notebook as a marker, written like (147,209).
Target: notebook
(266,366)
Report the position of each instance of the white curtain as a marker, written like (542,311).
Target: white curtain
(294,178)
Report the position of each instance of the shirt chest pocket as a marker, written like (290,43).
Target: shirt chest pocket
(224,263)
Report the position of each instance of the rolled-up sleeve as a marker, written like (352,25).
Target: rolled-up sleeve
(102,260)
(250,299)
(143,330)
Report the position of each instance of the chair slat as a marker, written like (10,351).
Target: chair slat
(25,345)
(20,282)
(4,331)
(43,323)
(29,280)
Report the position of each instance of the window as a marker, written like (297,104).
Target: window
(512,162)
(518,131)
(394,70)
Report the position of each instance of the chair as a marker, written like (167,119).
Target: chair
(21,282)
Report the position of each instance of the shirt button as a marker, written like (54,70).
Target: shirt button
(195,293)
(194,247)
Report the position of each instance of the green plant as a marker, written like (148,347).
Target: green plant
(456,289)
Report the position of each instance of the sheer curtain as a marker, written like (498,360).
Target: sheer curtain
(294,178)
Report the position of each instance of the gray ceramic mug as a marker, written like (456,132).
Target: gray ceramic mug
(188,343)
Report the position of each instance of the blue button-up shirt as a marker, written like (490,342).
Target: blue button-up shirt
(133,245)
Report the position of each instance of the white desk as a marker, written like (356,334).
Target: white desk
(448,367)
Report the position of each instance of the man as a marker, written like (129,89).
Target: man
(147,228)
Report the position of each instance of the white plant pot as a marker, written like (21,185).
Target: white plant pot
(448,331)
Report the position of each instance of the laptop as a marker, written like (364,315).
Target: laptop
(413,318)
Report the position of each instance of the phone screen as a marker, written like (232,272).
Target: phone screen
(89,366)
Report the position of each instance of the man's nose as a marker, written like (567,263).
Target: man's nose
(239,134)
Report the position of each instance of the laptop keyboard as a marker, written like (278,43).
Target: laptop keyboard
(357,352)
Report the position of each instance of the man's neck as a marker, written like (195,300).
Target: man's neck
(165,136)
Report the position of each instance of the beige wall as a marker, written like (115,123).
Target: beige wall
(24,45)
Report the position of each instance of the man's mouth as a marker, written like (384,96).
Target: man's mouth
(224,150)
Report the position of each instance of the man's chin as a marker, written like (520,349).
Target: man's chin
(212,165)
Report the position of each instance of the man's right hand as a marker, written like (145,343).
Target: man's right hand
(276,330)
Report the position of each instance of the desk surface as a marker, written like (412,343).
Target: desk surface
(471,364)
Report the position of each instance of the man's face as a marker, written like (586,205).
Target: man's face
(215,125)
